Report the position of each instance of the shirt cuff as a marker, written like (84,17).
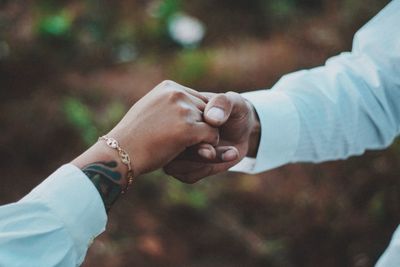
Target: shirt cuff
(279,121)
(72,197)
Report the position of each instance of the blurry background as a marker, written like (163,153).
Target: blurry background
(70,69)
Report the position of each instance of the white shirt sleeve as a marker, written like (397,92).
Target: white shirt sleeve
(54,224)
(338,110)
(341,109)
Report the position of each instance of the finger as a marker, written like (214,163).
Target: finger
(189,91)
(226,158)
(187,171)
(220,154)
(190,172)
(173,85)
(208,95)
(227,154)
(198,153)
(200,104)
(204,133)
(232,105)
(218,110)
(190,112)
(196,94)
(206,153)
(177,167)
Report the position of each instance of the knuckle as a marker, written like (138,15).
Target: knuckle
(175,95)
(185,111)
(166,83)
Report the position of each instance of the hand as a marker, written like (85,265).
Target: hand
(158,127)
(239,136)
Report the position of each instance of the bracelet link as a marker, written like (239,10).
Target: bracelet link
(124,157)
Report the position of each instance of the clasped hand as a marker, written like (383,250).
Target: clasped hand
(191,134)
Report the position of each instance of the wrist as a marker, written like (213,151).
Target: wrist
(255,133)
(100,152)
(106,167)
(134,145)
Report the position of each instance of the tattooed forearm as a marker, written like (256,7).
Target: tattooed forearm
(107,179)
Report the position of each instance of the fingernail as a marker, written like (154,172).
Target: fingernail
(229,155)
(216,114)
(205,153)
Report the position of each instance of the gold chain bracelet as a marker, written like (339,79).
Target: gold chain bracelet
(124,157)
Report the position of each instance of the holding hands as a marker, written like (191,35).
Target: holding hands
(191,134)
(239,130)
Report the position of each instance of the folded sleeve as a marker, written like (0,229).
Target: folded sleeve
(54,224)
(343,108)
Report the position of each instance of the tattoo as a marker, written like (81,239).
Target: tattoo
(106,179)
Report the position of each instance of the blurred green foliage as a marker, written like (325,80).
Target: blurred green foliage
(81,117)
(168,8)
(91,124)
(280,8)
(178,193)
(55,25)
(190,66)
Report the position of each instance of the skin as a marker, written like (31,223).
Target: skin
(107,179)
(240,131)
(159,127)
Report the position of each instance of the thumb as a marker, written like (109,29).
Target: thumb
(218,110)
